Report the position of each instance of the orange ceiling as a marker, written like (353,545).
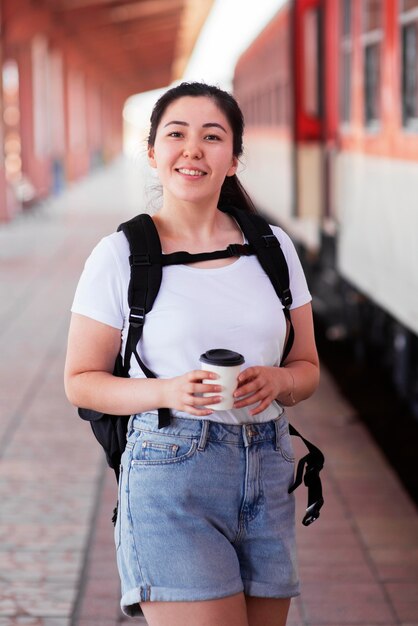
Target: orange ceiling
(142,44)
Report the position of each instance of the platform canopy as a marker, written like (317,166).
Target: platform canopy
(144,44)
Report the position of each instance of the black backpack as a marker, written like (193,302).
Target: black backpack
(147,262)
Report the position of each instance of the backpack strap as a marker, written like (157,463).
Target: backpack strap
(314,462)
(146,275)
(270,255)
(234,249)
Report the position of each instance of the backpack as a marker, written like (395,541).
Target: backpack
(147,262)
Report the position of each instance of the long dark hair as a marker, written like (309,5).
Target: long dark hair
(232,192)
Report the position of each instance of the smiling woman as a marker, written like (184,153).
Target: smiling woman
(205,528)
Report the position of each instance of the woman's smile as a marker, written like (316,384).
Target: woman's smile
(190,173)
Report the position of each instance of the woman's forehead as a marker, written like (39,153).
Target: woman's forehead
(194,109)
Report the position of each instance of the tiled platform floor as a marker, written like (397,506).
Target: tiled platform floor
(358,562)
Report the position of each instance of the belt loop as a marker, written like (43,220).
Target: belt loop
(245,437)
(129,427)
(204,433)
(277,439)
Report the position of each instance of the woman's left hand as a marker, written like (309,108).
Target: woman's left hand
(260,384)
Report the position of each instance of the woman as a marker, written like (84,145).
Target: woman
(205,531)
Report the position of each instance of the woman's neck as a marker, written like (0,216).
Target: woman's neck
(194,227)
(189,220)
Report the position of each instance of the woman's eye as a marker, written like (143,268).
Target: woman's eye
(175,133)
(213,137)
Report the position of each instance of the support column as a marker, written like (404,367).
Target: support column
(113,124)
(34,109)
(4,215)
(77,153)
(57,118)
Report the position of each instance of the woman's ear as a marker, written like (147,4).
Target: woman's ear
(233,169)
(151,157)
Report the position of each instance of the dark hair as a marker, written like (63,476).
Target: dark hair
(232,192)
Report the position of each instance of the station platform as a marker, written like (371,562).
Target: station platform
(358,561)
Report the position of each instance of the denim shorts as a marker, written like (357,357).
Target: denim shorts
(204,511)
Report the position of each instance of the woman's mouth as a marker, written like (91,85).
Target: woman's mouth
(187,172)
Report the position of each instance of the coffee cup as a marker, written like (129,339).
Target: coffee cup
(227,364)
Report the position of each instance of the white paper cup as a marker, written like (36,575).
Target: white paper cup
(227,364)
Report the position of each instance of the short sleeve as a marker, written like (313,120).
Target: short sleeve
(100,290)
(297,280)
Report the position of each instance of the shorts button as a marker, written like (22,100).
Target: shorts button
(250,432)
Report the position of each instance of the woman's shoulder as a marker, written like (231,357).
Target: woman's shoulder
(284,239)
(116,242)
(111,248)
(300,291)
(108,262)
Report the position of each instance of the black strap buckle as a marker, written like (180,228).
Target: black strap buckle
(312,512)
(314,462)
(139,259)
(270,241)
(237,249)
(137,316)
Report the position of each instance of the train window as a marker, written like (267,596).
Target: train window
(311,78)
(346,17)
(409,38)
(372,19)
(346,57)
(408,5)
(372,39)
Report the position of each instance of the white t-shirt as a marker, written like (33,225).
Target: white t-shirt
(196,309)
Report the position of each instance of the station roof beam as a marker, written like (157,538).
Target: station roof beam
(144,44)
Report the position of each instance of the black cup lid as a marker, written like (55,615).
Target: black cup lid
(221,356)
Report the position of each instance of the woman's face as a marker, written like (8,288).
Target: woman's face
(193,150)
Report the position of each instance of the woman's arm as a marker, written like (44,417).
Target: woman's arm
(89,382)
(296,380)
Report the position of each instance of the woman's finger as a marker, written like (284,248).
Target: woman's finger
(248,374)
(263,405)
(209,400)
(251,399)
(199,375)
(250,388)
(206,388)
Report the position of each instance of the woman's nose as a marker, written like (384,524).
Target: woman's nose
(192,151)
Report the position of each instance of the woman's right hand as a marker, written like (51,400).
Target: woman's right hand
(181,392)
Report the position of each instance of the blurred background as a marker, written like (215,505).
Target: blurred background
(329,91)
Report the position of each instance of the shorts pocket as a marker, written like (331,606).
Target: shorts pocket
(154,449)
(284,440)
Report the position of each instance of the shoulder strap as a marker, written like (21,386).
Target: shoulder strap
(272,260)
(145,260)
(145,281)
(234,249)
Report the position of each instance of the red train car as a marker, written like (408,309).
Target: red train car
(330,94)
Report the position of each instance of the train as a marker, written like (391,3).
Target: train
(329,91)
